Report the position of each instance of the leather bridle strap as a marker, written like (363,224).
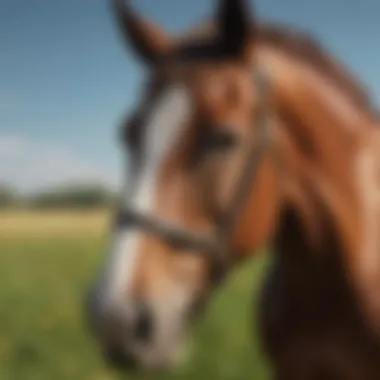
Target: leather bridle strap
(250,170)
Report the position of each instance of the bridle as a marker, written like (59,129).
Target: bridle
(217,246)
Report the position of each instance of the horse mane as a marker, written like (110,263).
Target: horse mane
(308,49)
(293,41)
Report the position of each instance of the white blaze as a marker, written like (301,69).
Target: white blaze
(165,126)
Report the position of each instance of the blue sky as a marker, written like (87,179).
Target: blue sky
(66,78)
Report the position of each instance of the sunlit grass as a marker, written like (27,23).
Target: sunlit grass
(44,277)
(50,223)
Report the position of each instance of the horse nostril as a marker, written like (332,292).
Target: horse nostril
(119,359)
(144,324)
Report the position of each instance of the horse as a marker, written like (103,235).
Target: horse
(246,134)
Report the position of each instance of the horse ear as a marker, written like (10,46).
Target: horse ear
(147,40)
(234,22)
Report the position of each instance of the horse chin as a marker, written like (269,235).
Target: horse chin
(173,348)
(175,360)
(163,359)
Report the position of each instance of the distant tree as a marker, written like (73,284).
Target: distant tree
(74,196)
(8,196)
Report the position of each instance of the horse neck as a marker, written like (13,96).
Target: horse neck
(330,200)
(320,134)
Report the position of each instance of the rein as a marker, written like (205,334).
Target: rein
(217,246)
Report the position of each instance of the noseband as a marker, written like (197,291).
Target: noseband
(218,245)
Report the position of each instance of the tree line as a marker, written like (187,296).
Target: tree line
(71,196)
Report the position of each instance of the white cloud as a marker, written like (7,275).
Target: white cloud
(32,165)
(11,146)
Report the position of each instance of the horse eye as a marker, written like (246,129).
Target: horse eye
(219,141)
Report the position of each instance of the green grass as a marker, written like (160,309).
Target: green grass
(43,280)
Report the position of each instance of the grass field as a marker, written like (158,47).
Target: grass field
(47,261)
